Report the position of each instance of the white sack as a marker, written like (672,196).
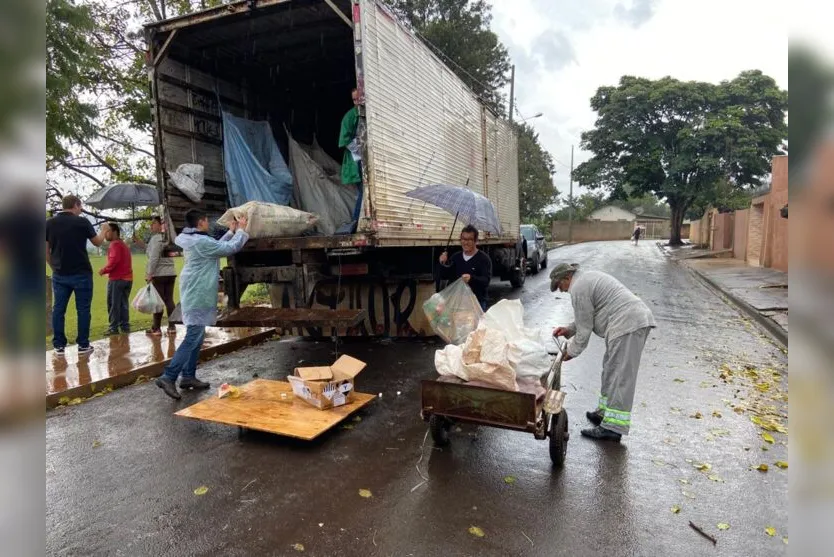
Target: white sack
(268,220)
(449,361)
(189,178)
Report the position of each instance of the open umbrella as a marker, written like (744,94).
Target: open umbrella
(123,196)
(468,206)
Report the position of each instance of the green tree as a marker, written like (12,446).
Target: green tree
(535,170)
(459,29)
(583,205)
(677,140)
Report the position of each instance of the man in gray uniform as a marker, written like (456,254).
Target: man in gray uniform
(601,304)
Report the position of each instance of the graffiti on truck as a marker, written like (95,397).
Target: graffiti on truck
(395,308)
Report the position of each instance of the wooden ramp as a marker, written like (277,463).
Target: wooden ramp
(270,406)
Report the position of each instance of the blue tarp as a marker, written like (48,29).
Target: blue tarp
(255,169)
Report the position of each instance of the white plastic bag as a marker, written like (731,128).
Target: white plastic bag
(189,179)
(454,312)
(148,300)
(268,220)
(526,347)
(449,361)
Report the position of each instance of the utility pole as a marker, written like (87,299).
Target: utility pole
(570,200)
(512,91)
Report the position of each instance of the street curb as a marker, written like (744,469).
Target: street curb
(778,333)
(153,370)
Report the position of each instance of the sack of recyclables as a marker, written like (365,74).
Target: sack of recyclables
(268,220)
(454,312)
(500,352)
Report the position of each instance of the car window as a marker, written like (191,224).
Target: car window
(528,233)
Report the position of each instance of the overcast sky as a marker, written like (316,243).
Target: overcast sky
(565,49)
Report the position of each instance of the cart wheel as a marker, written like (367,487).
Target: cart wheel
(559,438)
(439,427)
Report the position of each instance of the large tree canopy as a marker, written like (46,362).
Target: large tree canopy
(535,170)
(677,140)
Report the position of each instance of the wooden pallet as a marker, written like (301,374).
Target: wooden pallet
(270,406)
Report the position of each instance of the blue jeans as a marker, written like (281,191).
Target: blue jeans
(63,287)
(118,304)
(185,358)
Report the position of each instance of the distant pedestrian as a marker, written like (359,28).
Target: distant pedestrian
(198,294)
(602,305)
(66,254)
(160,271)
(636,234)
(119,267)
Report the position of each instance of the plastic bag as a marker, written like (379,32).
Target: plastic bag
(526,347)
(269,220)
(454,312)
(148,300)
(189,179)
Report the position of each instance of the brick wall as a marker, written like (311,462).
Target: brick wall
(590,231)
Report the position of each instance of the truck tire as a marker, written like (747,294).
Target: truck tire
(518,277)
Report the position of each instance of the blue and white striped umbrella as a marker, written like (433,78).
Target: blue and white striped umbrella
(468,206)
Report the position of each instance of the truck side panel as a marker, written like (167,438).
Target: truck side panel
(425,127)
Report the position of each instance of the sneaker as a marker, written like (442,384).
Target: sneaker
(594,417)
(193,383)
(85,349)
(60,352)
(109,333)
(602,434)
(172,329)
(168,388)
(154,332)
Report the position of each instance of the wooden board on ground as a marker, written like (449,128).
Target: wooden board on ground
(262,407)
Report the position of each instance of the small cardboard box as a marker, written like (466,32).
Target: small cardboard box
(327,387)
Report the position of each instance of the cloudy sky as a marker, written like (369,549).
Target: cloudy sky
(565,49)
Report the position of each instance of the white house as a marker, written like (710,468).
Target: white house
(612,213)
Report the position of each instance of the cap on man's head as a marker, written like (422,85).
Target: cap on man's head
(559,272)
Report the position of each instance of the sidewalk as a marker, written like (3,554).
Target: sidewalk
(121,360)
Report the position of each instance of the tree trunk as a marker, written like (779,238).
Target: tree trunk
(676,223)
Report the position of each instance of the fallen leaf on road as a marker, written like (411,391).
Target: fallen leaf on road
(781,464)
(723,526)
(477,532)
(683,481)
(347,426)
(75,401)
(675,510)
(679,380)
(716,414)
(770,531)
(703,466)
(97,444)
(715,478)
(658,462)
(510,480)
(768,438)
(765,448)
(785,540)
(675,410)
(202,490)
(365,493)
(688,494)
(762,468)
(298,547)
(697,415)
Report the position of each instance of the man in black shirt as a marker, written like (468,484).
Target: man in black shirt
(472,265)
(66,253)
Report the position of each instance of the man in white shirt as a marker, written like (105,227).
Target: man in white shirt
(602,305)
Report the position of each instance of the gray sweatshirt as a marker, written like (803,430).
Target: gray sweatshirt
(601,304)
(158,266)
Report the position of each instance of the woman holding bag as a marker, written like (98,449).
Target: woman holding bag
(160,271)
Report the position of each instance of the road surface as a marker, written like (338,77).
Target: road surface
(122,470)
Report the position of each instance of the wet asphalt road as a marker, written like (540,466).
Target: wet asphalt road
(122,470)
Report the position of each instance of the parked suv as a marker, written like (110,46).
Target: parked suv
(536,248)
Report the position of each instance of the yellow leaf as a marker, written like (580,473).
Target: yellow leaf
(697,415)
(688,494)
(63,400)
(202,490)
(723,526)
(715,478)
(768,438)
(347,426)
(703,466)
(73,402)
(781,464)
(477,532)
(683,481)
(679,380)
(658,462)
(770,531)
(96,444)
(762,468)
(510,480)
(365,493)
(785,540)
(676,509)
(716,414)
(298,547)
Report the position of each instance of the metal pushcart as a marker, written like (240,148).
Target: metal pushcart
(445,404)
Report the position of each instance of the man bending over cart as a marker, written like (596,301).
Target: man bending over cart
(601,304)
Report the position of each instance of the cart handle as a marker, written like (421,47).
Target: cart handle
(561,346)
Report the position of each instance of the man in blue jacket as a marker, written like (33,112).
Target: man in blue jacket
(198,294)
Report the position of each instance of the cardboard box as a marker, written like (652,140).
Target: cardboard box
(327,387)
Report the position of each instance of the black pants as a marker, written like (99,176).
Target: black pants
(165,287)
(118,304)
